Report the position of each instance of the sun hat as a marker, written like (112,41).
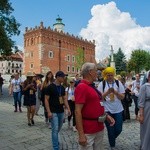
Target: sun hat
(39,75)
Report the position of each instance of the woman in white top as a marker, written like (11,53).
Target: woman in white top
(15,89)
(70,97)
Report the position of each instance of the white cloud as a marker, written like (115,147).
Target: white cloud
(109,26)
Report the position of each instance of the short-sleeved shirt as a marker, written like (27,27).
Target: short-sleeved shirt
(85,94)
(55,92)
(134,87)
(16,84)
(114,106)
(70,92)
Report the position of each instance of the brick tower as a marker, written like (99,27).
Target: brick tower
(53,49)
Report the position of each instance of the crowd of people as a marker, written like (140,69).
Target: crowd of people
(90,103)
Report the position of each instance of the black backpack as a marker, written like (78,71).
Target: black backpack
(104,84)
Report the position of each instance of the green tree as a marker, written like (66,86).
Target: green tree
(8,28)
(138,60)
(79,57)
(147,64)
(120,61)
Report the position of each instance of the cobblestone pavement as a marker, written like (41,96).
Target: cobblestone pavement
(15,134)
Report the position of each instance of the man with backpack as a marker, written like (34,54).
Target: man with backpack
(113,92)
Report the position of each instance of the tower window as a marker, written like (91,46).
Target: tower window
(31,66)
(73,69)
(68,57)
(51,54)
(73,58)
(68,68)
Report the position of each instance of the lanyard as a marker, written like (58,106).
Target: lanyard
(58,90)
(109,84)
(72,91)
(16,82)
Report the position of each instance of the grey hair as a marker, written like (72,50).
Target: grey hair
(86,67)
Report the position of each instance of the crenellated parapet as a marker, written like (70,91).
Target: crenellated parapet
(51,33)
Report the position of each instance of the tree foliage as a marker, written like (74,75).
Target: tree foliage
(139,60)
(120,61)
(8,28)
(79,57)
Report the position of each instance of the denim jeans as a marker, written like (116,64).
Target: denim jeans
(72,108)
(1,89)
(135,98)
(114,131)
(56,124)
(17,98)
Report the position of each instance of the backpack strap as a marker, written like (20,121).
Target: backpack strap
(104,84)
(117,83)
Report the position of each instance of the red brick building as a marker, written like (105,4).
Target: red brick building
(52,49)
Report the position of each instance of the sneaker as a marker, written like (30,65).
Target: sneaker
(15,110)
(74,129)
(20,110)
(32,121)
(29,124)
(49,126)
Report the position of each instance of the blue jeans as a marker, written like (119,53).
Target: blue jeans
(114,131)
(135,98)
(17,98)
(56,124)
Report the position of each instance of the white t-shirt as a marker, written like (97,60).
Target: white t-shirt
(134,88)
(112,106)
(70,93)
(16,85)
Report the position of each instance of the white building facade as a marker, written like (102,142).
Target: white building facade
(12,65)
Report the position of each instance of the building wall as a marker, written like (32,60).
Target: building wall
(11,67)
(40,42)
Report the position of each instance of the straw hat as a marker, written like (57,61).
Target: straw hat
(30,74)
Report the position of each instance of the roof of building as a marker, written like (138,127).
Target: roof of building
(16,56)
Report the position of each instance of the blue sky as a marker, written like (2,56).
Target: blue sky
(76,15)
